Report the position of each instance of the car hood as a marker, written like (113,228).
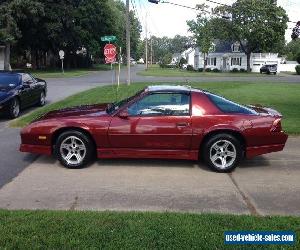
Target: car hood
(78,111)
(265,111)
(5,95)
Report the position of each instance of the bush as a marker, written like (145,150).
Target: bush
(297,69)
(243,70)
(234,70)
(182,61)
(216,70)
(190,68)
(208,70)
(200,70)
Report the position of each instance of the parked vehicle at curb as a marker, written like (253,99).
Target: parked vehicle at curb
(269,69)
(19,91)
(171,122)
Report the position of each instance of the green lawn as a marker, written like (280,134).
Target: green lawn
(57,73)
(283,97)
(131,230)
(155,70)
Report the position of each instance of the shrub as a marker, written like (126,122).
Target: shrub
(208,70)
(243,70)
(200,70)
(190,68)
(216,70)
(297,69)
(234,70)
(182,61)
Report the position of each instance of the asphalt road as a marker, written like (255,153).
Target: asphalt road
(267,185)
(12,162)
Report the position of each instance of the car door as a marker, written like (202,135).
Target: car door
(157,121)
(30,90)
(26,91)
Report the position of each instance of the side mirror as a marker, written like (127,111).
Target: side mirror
(123,114)
(25,85)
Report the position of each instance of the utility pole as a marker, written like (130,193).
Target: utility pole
(128,41)
(151,50)
(146,46)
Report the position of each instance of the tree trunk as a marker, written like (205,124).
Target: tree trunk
(7,57)
(248,62)
(204,61)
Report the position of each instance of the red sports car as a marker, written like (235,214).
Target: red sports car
(175,122)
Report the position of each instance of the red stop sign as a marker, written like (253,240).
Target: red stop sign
(110,51)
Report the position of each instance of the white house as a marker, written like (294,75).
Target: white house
(226,56)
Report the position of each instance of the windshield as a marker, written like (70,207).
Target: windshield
(118,104)
(9,81)
(228,106)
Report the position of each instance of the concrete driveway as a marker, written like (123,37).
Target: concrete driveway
(261,186)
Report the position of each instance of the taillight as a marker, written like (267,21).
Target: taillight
(276,126)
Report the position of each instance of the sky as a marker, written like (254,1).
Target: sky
(168,20)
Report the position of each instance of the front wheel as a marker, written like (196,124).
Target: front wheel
(14,108)
(42,99)
(74,149)
(222,152)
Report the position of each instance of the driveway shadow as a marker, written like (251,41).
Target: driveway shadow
(256,162)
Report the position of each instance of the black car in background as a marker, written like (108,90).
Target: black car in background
(20,90)
(269,69)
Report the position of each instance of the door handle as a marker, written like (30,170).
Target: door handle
(182,124)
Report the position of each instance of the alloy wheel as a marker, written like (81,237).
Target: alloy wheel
(73,150)
(223,154)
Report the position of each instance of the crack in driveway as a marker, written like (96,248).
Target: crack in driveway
(251,207)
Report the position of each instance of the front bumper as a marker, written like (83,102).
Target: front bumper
(36,149)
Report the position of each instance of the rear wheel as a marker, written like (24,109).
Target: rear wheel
(74,149)
(14,108)
(222,152)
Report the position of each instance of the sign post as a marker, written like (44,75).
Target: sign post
(110,52)
(62,56)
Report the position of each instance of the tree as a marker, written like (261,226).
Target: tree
(292,49)
(257,25)
(296,31)
(203,33)
(9,31)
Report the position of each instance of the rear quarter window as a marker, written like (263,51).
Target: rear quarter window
(231,107)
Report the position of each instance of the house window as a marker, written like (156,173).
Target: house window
(236,47)
(236,61)
(212,61)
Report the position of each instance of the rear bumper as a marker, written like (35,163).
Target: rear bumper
(260,150)
(36,149)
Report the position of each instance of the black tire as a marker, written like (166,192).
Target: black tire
(261,72)
(82,139)
(209,151)
(42,99)
(13,110)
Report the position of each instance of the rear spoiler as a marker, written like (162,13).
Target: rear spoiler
(265,111)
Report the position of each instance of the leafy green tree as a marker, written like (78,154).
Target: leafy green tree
(203,33)
(257,25)
(292,49)
(9,31)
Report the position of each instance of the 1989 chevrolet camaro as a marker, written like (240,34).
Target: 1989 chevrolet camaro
(175,122)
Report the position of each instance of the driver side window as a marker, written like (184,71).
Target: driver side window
(161,104)
(27,79)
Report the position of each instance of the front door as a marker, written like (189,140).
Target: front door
(159,121)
